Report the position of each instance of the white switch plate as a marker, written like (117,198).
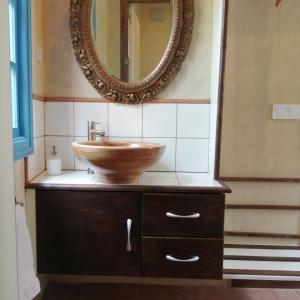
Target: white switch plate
(286,111)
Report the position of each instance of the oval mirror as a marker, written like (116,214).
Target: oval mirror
(130,50)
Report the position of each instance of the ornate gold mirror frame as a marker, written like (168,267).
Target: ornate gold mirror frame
(147,88)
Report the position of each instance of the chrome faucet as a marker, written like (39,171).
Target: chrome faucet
(93,132)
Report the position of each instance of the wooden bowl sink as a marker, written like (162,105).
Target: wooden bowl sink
(118,162)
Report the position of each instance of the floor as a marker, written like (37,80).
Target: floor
(59,291)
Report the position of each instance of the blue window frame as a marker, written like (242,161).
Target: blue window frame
(20,65)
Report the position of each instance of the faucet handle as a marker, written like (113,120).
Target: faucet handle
(92,124)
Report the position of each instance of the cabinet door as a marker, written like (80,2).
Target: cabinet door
(83,232)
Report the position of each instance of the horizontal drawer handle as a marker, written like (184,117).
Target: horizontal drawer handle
(189,260)
(192,216)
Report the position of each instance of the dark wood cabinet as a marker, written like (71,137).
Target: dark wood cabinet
(130,233)
(80,232)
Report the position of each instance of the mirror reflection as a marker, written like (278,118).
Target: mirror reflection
(131,36)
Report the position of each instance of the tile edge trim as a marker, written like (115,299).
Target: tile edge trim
(103,100)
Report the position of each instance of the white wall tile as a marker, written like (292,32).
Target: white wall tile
(124,139)
(36,161)
(59,118)
(212,155)
(159,120)
(192,155)
(38,118)
(64,149)
(167,161)
(84,112)
(125,120)
(158,178)
(193,120)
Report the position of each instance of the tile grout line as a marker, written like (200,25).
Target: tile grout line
(45,159)
(190,293)
(74,159)
(208,156)
(142,137)
(209,137)
(177,178)
(107,115)
(244,296)
(147,137)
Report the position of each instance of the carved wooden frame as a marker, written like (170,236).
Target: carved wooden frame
(147,88)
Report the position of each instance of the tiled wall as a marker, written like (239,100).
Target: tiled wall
(183,128)
(36,162)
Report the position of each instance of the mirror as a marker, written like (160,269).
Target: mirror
(131,37)
(130,50)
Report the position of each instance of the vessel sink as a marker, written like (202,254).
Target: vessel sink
(118,162)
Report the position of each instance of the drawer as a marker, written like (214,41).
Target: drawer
(185,258)
(188,215)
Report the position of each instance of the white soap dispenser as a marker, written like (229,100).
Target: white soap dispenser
(53,163)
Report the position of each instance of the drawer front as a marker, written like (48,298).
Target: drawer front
(185,258)
(188,215)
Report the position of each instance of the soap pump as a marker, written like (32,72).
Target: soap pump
(53,163)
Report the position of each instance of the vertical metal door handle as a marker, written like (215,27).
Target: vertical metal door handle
(129,225)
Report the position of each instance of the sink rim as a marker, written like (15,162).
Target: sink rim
(116,145)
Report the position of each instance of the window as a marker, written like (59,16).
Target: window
(20,68)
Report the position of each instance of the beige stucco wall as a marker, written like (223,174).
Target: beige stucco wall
(262,68)
(64,78)
(38,59)
(62,73)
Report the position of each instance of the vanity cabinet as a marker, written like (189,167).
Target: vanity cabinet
(131,233)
